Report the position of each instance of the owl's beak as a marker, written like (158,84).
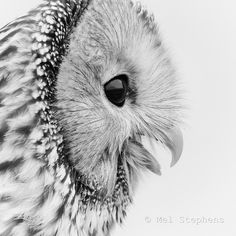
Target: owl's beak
(173,139)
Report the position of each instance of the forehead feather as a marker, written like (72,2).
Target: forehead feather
(113,27)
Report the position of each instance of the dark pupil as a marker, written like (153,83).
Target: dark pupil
(116,90)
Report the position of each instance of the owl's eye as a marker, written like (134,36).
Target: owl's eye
(116,90)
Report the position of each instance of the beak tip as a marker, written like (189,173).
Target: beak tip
(173,163)
(176,145)
(158,173)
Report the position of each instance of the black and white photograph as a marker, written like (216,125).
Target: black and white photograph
(117,118)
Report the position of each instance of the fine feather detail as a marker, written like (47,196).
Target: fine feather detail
(69,161)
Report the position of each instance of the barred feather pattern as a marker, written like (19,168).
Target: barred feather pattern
(40,191)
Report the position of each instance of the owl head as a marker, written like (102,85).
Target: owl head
(115,85)
(81,83)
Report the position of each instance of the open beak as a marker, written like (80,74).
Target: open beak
(172,139)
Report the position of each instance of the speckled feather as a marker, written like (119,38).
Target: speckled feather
(69,161)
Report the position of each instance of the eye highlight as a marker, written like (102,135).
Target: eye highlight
(116,90)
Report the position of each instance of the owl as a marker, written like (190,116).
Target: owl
(81,83)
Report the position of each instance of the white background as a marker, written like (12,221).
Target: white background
(201,36)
